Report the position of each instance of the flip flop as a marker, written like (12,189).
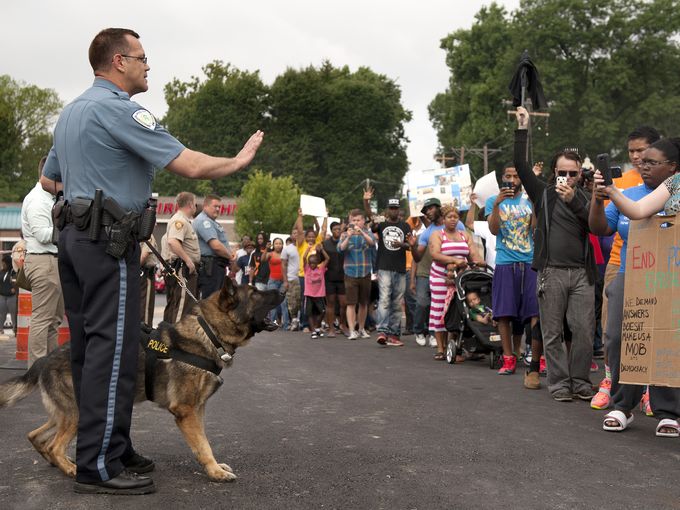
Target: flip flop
(669,424)
(619,417)
(440,356)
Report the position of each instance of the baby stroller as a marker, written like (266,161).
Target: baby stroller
(473,336)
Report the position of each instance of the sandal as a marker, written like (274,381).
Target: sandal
(620,418)
(672,428)
(440,356)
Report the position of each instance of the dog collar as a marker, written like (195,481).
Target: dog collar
(224,354)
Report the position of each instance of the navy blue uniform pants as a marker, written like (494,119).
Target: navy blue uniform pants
(101,297)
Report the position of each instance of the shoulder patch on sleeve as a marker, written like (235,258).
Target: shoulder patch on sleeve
(145,118)
(206,224)
(179,225)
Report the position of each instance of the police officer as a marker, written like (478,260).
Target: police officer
(181,250)
(103,140)
(215,253)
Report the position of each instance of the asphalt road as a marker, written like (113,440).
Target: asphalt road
(333,423)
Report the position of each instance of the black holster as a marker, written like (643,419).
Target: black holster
(80,212)
(58,217)
(207,265)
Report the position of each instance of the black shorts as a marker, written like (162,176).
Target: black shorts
(315,306)
(333,288)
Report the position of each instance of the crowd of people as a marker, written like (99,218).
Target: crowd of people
(557,250)
(558,256)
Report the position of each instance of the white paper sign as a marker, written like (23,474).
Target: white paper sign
(331,219)
(313,206)
(486,187)
(283,237)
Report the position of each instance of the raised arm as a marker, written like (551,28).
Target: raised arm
(644,208)
(532,184)
(197,165)
(597,219)
(300,229)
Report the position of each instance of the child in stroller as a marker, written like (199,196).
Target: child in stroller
(469,317)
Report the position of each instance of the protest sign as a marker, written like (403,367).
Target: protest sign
(485,187)
(450,185)
(650,337)
(283,237)
(313,206)
(331,219)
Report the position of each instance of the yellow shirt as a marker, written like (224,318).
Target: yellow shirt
(301,248)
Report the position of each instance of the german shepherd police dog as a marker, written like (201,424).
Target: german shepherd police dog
(234,314)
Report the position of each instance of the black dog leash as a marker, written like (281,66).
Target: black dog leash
(170,271)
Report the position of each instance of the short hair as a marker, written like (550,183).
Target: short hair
(447,208)
(106,44)
(334,224)
(356,212)
(185,198)
(670,147)
(646,133)
(41,165)
(569,154)
(209,198)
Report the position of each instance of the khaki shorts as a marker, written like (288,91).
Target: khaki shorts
(358,290)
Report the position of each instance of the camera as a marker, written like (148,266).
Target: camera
(507,185)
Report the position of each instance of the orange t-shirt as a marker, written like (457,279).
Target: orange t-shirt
(629,179)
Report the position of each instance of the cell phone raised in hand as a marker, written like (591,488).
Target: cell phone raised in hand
(561,179)
(507,185)
(602,164)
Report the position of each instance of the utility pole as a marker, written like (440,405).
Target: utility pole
(486,159)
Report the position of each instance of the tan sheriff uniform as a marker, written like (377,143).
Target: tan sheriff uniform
(147,282)
(179,303)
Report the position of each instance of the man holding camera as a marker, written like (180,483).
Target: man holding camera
(510,218)
(103,140)
(564,259)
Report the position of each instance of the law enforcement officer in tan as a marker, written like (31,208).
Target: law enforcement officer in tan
(147,281)
(181,244)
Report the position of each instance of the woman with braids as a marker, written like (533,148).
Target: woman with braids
(660,192)
(451,249)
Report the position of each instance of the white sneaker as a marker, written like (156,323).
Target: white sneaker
(364,334)
(421,340)
(433,341)
(353,335)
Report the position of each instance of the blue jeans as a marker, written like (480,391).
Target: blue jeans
(391,287)
(421,316)
(282,309)
(304,323)
(410,302)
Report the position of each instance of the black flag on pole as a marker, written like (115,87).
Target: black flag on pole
(525,82)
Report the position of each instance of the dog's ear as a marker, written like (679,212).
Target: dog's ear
(228,295)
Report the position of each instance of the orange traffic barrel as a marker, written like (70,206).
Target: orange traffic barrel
(24,325)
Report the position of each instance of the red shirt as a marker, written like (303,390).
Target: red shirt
(275,266)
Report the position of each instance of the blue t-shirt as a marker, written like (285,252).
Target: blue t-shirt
(424,238)
(620,223)
(514,242)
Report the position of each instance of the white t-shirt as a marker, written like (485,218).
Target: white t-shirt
(292,257)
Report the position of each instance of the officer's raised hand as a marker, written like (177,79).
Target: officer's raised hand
(247,153)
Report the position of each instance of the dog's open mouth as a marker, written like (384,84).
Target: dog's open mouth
(264,325)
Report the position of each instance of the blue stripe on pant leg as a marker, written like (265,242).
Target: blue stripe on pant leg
(115,370)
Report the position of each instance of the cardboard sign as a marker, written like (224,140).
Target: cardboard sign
(650,332)
(283,237)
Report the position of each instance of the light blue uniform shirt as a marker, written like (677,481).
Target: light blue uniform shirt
(208,229)
(104,140)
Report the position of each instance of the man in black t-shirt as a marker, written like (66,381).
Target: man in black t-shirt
(335,281)
(394,238)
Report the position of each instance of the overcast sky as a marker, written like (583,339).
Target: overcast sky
(45,43)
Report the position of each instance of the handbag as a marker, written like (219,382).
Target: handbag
(22,280)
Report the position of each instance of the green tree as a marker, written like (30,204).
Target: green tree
(267,203)
(216,116)
(26,115)
(332,128)
(606,67)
